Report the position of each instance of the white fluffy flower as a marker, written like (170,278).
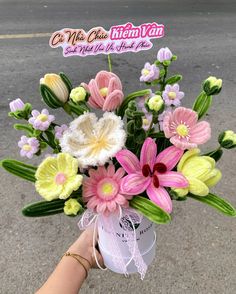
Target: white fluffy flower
(94,141)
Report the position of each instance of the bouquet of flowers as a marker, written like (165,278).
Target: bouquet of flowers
(122,166)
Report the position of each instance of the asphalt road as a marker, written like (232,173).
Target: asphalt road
(196,253)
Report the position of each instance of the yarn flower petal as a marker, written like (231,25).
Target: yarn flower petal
(152,173)
(94,141)
(183,130)
(102,190)
(56,177)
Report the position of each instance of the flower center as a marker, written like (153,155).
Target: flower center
(60,178)
(146,72)
(145,122)
(172,95)
(156,181)
(182,130)
(146,170)
(43,117)
(107,188)
(103,91)
(160,168)
(27,147)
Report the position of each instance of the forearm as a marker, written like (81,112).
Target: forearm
(67,278)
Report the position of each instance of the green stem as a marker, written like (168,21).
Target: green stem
(164,78)
(109,62)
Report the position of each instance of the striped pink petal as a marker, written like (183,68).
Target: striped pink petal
(200,133)
(160,197)
(95,97)
(170,157)
(113,100)
(114,84)
(148,152)
(128,161)
(172,179)
(134,184)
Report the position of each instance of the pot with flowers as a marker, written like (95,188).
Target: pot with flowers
(120,171)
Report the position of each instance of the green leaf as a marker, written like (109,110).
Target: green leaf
(150,210)
(217,202)
(216,154)
(66,80)
(174,79)
(45,208)
(49,97)
(131,97)
(19,169)
(24,127)
(202,104)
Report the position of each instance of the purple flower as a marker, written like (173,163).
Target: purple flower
(162,116)
(29,146)
(60,130)
(41,121)
(164,54)
(147,119)
(16,104)
(149,73)
(172,95)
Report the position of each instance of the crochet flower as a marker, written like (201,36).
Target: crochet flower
(152,173)
(29,146)
(60,130)
(94,141)
(155,103)
(55,83)
(78,94)
(72,207)
(105,91)
(172,95)
(164,54)
(16,104)
(56,177)
(183,129)
(149,73)
(41,121)
(101,190)
(200,172)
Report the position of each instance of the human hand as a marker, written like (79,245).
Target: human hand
(84,247)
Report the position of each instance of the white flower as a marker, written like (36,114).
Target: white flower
(94,141)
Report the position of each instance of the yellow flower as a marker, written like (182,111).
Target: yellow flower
(72,206)
(56,177)
(155,103)
(200,172)
(55,83)
(78,94)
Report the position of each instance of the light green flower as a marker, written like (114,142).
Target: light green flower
(78,94)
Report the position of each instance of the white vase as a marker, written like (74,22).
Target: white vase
(145,237)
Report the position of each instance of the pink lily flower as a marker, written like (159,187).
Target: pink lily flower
(152,173)
(105,90)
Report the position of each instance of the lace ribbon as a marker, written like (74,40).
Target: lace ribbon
(127,217)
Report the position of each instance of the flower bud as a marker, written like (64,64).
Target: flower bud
(19,109)
(212,86)
(72,207)
(16,104)
(227,139)
(55,83)
(78,94)
(155,103)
